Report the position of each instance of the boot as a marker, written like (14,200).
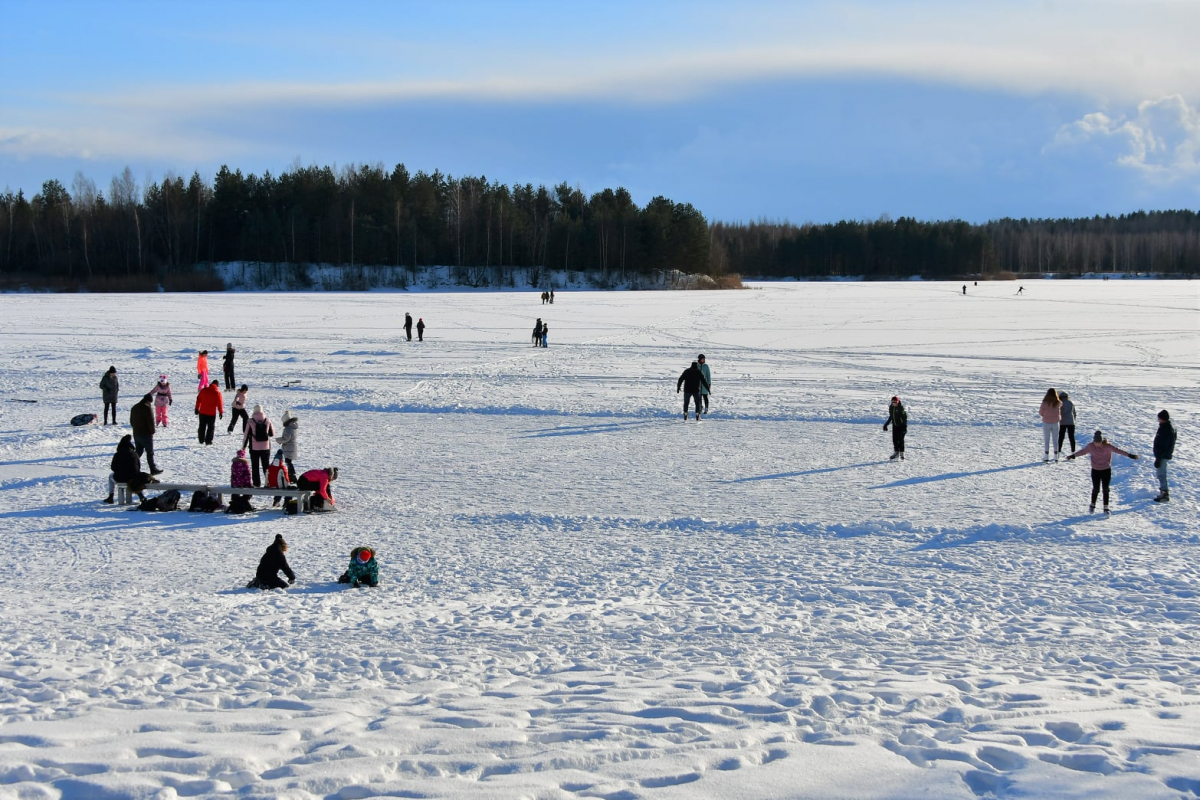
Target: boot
(1163,497)
(108,500)
(1092,508)
(901,455)
(894,456)
(1106,511)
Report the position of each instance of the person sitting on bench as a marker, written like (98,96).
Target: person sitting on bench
(317,481)
(126,468)
(269,567)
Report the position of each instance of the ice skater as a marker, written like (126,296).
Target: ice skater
(109,387)
(898,419)
(690,380)
(707,385)
(229,381)
(272,563)
(1101,452)
(162,400)
(1020,290)
(1164,449)
(1051,413)
(1066,425)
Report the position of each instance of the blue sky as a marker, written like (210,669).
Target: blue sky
(798,111)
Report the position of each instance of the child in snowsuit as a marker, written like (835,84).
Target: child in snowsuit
(363,571)
(162,399)
(545,335)
(420,330)
(277,475)
(1101,451)
(239,478)
(202,368)
(269,567)
(898,419)
(239,409)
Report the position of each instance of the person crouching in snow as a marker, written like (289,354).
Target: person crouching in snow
(898,419)
(162,399)
(239,478)
(1101,451)
(272,563)
(317,481)
(363,570)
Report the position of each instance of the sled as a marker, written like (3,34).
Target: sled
(80,420)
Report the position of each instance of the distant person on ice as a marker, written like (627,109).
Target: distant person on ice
(272,563)
(545,334)
(1020,290)
(420,329)
(408,325)
(162,400)
(127,469)
(704,387)
(691,379)
(229,381)
(238,409)
(209,405)
(363,569)
(1164,450)
(1101,452)
(109,387)
(964,290)
(1066,425)
(202,368)
(898,419)
(258,436)
(141,420)
(1051,413)
(537,333)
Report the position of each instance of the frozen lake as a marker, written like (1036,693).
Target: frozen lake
(584,596)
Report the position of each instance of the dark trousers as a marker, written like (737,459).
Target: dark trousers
(239,412)
(1063,431)
(107,406)
(271,582)
(257,458)
(1101,477)
(145,444)
(408,332)
(291,470)
(317,500)
(688,396)
(229,384)
(205,432)
(704,397)
(420,334)
(898,438)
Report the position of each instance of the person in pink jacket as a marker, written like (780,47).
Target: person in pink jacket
(1101,451)
(258,437)
(1051,413)
(162,399)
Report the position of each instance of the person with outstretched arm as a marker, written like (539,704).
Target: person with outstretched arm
(1101,451)
(690,380)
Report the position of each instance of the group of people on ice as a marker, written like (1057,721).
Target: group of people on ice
(408,327)
(362,571)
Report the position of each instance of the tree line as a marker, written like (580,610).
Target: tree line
(365,215)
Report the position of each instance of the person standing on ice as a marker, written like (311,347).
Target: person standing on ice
(288,442)
(229,381)
(420,329)
(141,420)
(209,405)
(109,387)
(1066,425)
(690,380)
(162,399)
(202,368)
(238,409)
(537,333)
(1101,452)
(258,436)
(545,334)
(898,419)
(408,325)
(272,563)
(1051,413)
(1164,450)
(704,387)
(964,290)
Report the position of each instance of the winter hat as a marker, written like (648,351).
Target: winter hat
(1164,414)
(257,408)
(149,398)
(216,384)
(895,399)
(695,363)
(1064,396)
(112,369)
(241,454)
(229,345)
(1097,436)
(162,378)
(700,357)
(279,540)
(364,555)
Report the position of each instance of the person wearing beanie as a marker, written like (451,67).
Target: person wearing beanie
(1164,450)
(707,384)
(141,420)
(109,386)
(1101,452)
(238,409)
(420,329)
(202,369)
(270,565)
(1066,425)
(239,478)
(209,405)
(229,382)
(363,569)
(162,399)
(127,469)
(691,379)
(898,419)
(257,439)
(289,443)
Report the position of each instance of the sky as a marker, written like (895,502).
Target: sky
(799,111)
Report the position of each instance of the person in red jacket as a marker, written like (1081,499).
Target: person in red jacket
(317,481)
(209,405)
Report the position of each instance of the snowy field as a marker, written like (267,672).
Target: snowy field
(586,597)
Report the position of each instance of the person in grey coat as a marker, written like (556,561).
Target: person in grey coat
(1066,425)
(288,443)
(109,385)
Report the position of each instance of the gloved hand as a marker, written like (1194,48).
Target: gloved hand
(291,581)
(676,390)
(885,426)
(1157,463)
(1134,456)
(222,415)
(195,412)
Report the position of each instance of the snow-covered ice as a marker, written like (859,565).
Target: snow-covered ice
(583,596)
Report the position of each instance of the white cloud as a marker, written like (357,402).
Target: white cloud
(1161,139)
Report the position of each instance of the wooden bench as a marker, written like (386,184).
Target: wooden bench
(303,496)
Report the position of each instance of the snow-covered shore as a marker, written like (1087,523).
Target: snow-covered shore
(582,595)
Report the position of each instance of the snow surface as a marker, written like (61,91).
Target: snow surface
(586,597)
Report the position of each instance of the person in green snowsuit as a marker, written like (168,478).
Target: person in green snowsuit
(363,569)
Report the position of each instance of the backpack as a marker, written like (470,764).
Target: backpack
(204,501)
(261,430)
(167,501)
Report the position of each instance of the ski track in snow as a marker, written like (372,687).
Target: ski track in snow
(582,595)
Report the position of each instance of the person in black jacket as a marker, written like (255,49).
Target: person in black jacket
(408,325)
(691,379)
(269,567)
(1164,450)
(141,419)
(898,419)
(109,386)
(229,383)
(126,468)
